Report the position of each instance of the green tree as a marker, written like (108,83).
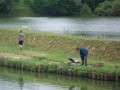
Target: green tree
(39,6)
(63,8)
(116,8)
(56,7)
(86,10)
(92,3)
(28,2)
(6,5)
(104,9)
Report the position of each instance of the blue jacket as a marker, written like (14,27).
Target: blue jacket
(83,52)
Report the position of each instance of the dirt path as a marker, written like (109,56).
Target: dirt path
(13,55)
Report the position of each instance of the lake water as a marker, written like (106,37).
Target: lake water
(91,27)
(12,79)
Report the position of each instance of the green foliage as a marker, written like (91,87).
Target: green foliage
(104,9)
(55,7)
(116,8)
(5,6)
(108,8)
(28,2)
(86,10)
(92,3)
(59,7)
(15,8)
(39,6)
(17,0)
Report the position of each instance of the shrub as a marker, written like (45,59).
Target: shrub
(116,8)
(104,9)
(86,10)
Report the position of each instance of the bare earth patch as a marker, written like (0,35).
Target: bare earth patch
(13,55)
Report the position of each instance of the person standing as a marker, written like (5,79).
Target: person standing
(83,55)
(21,39)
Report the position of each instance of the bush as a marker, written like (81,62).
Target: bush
(116,8)
(104,9)
(55,7)
(86,10)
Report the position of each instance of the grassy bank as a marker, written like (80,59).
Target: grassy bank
(45,52)
(100,49)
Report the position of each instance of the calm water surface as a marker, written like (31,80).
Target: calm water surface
(92,27)
(18,80)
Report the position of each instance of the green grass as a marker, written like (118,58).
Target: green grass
(51,55)
(58,47)
(55,55)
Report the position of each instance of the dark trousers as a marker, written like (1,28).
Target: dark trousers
(84,60)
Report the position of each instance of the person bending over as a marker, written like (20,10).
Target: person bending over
(83,55)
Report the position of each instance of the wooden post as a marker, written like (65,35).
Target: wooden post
(98,76)
(116,76)
(101,76)
(93,76)
(105,76)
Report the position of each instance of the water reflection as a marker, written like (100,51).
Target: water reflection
(84,88)
(72,88)
(21,83)
(11,79)
(78,88)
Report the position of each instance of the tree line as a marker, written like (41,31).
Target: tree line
(7,5)
(66,7)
